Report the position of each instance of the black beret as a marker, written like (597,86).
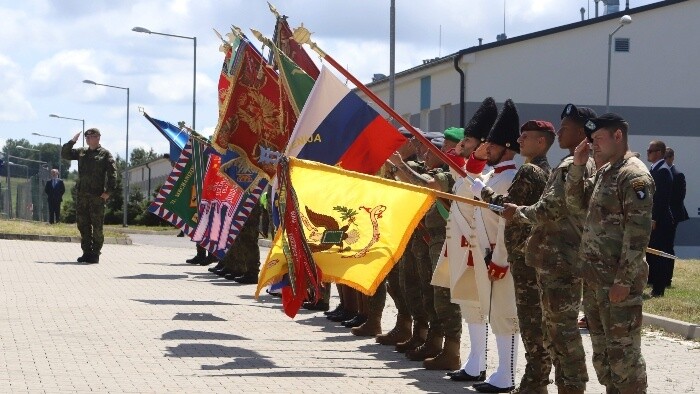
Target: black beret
(578,114)
(606,120)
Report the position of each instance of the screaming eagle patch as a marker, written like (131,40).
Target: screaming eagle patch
(640,189)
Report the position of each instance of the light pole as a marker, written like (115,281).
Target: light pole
(65,117)
(126,159)
(194,76)
(60,145)
(625,20)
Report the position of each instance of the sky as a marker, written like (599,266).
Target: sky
(48,47)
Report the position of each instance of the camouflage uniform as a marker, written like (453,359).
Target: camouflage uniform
(97,174)
(552,250)
(244,255)
(618,201)
(445,315)
(526,189)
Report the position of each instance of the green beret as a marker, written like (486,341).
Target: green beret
(454,134)
(92,131)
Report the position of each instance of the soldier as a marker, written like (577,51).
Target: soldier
(617,201)
(97,178)
(552,250)
(456,270)
(244,265)
(431,236)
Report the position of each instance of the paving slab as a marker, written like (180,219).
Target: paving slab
(143,321)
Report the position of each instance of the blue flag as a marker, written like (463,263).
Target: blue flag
(174,135)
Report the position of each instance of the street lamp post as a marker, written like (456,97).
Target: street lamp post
(126,159)
(65,117)
(60,145)
(625,20)
(194,76)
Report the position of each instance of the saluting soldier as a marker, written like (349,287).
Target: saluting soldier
(552,250)
(97,178)
(617,201)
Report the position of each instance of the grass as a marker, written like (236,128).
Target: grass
(682,300)
(12,226)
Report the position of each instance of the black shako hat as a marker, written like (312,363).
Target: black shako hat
(606,120)
(506,130)
(579,115)
(484,117)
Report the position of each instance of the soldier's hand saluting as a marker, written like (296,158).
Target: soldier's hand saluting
(581,153)
(75,137)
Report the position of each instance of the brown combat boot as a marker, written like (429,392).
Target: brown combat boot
(448,359)
(400,333)
(420,332)
(431,348)
(370,328)
(569,390)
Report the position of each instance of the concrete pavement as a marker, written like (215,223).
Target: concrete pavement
(143,321)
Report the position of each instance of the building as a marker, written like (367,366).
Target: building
(149,176)
(653,82)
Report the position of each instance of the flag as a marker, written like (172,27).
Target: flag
(337,127)
(285,42)
(177,200)
(355,225)
(297,83)
(175,136)
(255,119)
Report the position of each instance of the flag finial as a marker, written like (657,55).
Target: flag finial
(302,35)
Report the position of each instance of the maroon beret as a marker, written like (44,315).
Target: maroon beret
(538,125)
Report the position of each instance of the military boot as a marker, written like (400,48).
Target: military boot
(370,328)
(84,257)
(448,358)
(538,390)
(429,349)
(93,258)
(420,332)
(400,333)
(569,390)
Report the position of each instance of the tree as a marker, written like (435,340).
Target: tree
(140,156)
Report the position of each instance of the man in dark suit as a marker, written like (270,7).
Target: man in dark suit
(54,190)
(680,214)
(662,219)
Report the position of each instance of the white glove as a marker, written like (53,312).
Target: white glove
(477,186)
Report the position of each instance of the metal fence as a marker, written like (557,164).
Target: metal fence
(25,198)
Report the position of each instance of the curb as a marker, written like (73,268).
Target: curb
(60,238)
(687,330)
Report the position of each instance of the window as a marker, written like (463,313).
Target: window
(425,93)
(622,45)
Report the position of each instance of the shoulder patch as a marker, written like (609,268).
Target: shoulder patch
(640,189)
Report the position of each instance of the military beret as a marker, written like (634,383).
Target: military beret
(438,142)
(578,114)
(606,120)
(454,134)
(538,125)
(92,131)
(433,134)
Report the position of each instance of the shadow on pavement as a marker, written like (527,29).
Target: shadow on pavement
(291,374)
(242,358)
(197,317)
(194,334)
(181,302)
(62,263)
(153,276)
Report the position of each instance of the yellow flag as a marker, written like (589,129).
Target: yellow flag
(356,225)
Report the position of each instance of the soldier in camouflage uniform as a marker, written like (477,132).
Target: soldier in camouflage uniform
(552,250)
(97,178)
(418,271)
(243,259)
(617,201)
(535,139)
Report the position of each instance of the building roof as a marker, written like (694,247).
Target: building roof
(530,36)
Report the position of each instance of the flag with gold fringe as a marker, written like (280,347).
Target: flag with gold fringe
(355,226)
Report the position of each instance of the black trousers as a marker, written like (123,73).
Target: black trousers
(54,212)
(660,268)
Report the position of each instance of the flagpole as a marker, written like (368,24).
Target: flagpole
(303,36)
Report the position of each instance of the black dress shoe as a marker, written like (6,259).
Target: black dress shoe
(247,279)
(93,258)
(462,376)
(315,306)
(83,258)
(195,260)
(208,260)
(334,311)
(341,317)
(230,276)
(355,321)
(216,267)
(489,388)
(222,272)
